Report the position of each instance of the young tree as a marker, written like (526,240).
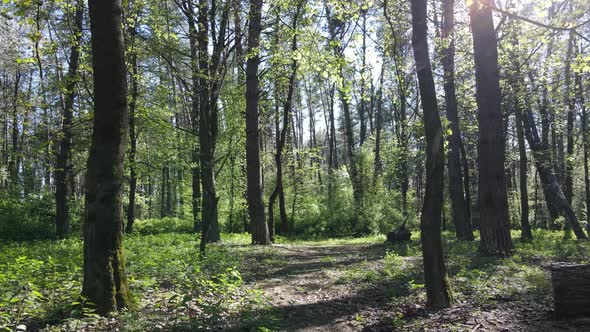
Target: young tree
(493,198)
(435,275)
(105,280)
(260,233)
(62,171)
(460,208)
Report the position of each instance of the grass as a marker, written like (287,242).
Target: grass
(40,281)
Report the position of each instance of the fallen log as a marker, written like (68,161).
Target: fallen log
(571,289)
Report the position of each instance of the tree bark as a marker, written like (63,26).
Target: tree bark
(493,198)
(549,180)
(378,166)
(570,102)
(586,144)
(105,280)
(260,234)
(459,207)
(132,143)
(62,192)
(437,286)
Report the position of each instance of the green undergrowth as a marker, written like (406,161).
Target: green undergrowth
(179,290)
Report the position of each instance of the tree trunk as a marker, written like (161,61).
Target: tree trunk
(105,279)
(194,114)
(460,208)
(133,143)
(569,100)
(62,192)
(493,199)
(208,124)
(378,167)
(437,286)
(518,91)
(549,180)
(586,143)
(260,233)
(526,234)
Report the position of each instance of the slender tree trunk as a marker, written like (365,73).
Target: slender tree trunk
(569,100)
(105,279)
(550,182)
(460,208)
(378,167)
(208,127)
(62,194)
(586,145)
(14,160)
(195,153)
(363,106)
(518,94)
(493,198)
(526,234)
(260,233)
(437,286)
(132,139)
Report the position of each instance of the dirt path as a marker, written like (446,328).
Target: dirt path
(314,288)
(310,287)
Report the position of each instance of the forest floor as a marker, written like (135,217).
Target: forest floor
(343,288)
(296,285)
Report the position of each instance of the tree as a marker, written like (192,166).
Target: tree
(133,79)
(461,214)
(105,280)
(435,275)
(493,198)
(62,188)
(260,234)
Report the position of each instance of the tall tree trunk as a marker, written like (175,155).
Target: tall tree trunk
(460,208)
(282,134)
(260,233)
(62,192)
(437,285)
(570,102)
(378,167)
(518,94)
(132,136)
(493,199)
(585,143)
(363,106)
(194,114)
(550,182)
(105,279)
(14,160)
(337,30)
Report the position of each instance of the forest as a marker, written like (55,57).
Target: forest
(294,165)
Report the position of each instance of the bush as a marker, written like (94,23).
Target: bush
(30,218)
(163,225)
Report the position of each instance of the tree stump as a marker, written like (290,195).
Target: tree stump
(399,235)
(571,289)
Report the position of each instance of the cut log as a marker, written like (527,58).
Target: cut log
(399,235)
(571,289)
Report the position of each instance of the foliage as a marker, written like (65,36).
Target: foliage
(26,219)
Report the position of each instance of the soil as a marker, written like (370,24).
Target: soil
(308,287)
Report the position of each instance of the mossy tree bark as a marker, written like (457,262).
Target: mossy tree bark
(105,280)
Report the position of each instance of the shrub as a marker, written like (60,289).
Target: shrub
(30,218)
(163,225)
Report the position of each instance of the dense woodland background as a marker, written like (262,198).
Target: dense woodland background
(294,119)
